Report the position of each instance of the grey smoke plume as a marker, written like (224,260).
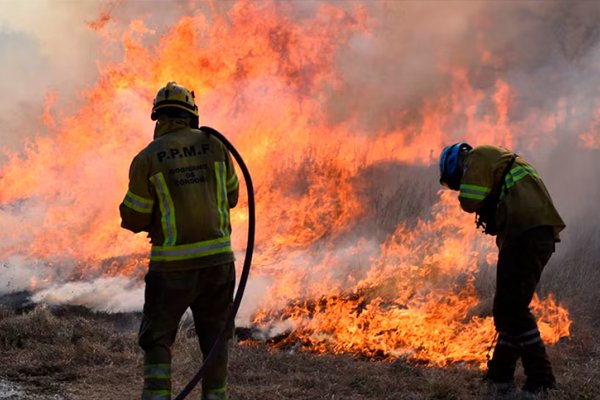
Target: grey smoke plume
(548,53)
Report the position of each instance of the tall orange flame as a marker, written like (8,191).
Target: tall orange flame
(264,79)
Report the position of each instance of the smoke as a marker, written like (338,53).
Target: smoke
(44,47)
(394,80)
(547,51)
(104,294)
(20,274)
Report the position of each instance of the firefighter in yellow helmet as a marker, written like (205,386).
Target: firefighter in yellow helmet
(181,187)
(512,203)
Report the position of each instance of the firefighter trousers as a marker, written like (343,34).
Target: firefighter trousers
(208,292)
(520,266)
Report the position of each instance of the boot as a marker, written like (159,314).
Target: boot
(538,370)
(534,387)
(501,390)
(501,368)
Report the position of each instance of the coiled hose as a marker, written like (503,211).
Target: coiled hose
(245,271)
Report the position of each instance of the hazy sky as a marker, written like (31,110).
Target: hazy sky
(45,45)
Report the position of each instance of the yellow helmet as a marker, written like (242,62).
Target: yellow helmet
(174,95)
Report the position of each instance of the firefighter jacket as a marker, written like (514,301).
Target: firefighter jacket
(524,202)
(181,187)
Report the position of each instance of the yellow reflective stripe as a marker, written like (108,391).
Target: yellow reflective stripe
(474,191)
(483,189)
(515,174)
(167,209)
(471,196)
(531,170)
(232,183)
(157,376)
(156,394)
(222,204)
(138,203)
(191,250)
(215,394)
(158,371)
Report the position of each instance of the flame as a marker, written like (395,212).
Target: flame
(339,281)
(591,138)
(416,302)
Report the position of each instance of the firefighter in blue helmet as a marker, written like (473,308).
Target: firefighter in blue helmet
(181,187)
(512,203)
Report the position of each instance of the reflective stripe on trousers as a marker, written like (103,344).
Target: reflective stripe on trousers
(157,382)
(215,394)
(524,339)
(156,395)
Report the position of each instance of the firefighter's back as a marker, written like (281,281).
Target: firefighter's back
(189,172)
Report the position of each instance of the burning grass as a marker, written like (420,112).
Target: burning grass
(344,206)
(73,353)
(365,257)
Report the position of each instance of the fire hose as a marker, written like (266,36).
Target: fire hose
(245,271)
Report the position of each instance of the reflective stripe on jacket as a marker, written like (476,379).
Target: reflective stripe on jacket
(524,204)
(181,187)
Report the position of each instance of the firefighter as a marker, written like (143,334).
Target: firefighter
(512,203)
(181,187)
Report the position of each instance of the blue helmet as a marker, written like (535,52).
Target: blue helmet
(451,167)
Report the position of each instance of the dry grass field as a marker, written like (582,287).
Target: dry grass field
(73,353)
(340,109)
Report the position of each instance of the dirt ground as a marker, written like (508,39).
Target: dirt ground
(73,353)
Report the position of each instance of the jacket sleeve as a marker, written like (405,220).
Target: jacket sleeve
(233,184)
(136,209)
(476,183)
